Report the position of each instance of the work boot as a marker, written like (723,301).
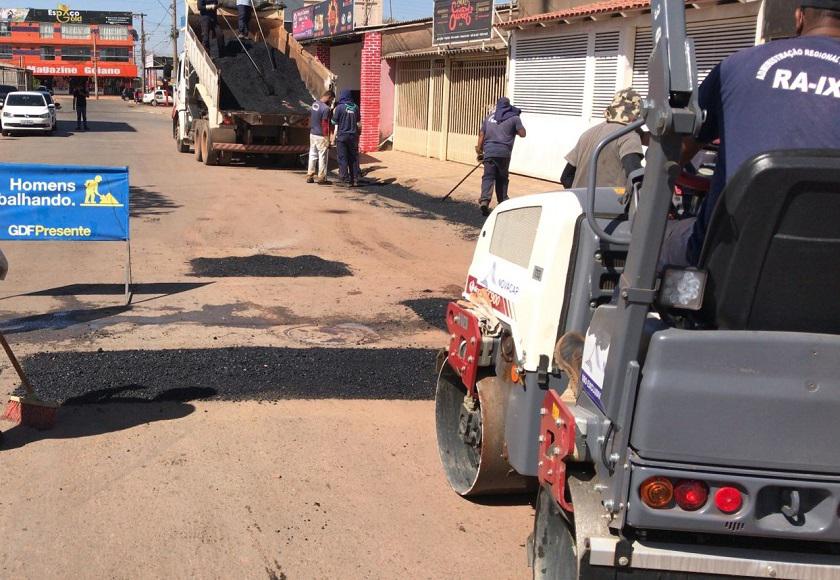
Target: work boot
(324,182)
(485,208)
(310,179)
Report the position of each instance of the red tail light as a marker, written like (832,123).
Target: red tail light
(691,494)
(728,500)
(227,120)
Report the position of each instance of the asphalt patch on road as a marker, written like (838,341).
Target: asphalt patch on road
(431,310)
(263,265)
(280,89)
(240,373)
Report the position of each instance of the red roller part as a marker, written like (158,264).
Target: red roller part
(464,344)
(557,442)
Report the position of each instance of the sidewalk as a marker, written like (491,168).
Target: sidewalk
(435,178)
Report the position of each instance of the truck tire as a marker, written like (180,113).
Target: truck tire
(198,140)
(210,156)
(554,554)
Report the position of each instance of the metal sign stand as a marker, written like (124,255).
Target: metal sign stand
(128,294)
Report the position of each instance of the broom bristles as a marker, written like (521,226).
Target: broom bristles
(31,413)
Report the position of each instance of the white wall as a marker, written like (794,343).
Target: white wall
(346,62)
(550,137)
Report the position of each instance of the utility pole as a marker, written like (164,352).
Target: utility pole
(143,48)
(174,37)
(95,68)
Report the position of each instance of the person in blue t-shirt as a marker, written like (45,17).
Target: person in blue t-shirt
(319,139)
(347,121)
(781,95)
(495,144)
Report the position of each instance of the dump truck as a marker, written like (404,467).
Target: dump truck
(211,112)
(676,422)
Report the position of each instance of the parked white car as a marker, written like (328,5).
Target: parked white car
(157,97)
(27,111)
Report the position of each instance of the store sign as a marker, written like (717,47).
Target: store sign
(329,18)
(63,14)
(462,21)
(70,203)
(114,69)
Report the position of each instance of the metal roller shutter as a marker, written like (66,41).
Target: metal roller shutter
(714,40)
(550,74)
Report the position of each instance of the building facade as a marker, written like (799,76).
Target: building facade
(63,47)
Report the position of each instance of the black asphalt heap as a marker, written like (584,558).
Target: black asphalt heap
(277,91)
(233,374)
(263,265)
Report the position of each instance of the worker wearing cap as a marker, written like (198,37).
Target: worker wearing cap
(208,9)
(243,8)
(619,158)
(784,94)
(495,147)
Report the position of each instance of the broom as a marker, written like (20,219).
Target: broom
(28,410)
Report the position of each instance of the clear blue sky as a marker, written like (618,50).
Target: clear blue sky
(158,21)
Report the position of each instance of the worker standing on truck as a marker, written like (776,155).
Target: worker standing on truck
(319,139)
(243,8)
(346,121)
(208,9)
(620,157)
(495,146)
(781,95)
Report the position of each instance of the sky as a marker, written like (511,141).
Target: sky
(158,19)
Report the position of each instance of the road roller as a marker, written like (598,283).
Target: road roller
(673,422)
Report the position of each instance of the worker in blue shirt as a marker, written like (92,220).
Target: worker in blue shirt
(780,95)
(495,147)
(347,122)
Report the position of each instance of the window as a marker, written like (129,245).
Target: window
(75,53)
(77,31)
(5,28)
(113,32)
(5,51)
(47,53)
(46,30)
(550,74)
(26,100)
(114,54)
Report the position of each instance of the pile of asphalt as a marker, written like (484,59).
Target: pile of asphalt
(240,373)
(280,89)
(263,265)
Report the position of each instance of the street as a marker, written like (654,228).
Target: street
(263,408)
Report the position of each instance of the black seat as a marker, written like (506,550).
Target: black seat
(772,250)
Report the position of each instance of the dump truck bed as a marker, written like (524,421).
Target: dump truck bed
(289,79)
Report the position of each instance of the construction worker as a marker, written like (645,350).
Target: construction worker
(495,147)
(319,139)
(243,8)
(346,121)
(208,9)
(620,157)
(780,95)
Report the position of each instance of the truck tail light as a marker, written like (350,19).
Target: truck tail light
(691,494)
(657,492)
(227,120)
(728,500)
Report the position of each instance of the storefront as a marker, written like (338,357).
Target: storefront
(63,47)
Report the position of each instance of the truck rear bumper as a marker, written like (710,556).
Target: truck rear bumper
(262,149)
(706,561)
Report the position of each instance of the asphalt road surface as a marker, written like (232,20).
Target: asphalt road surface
(263,408)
